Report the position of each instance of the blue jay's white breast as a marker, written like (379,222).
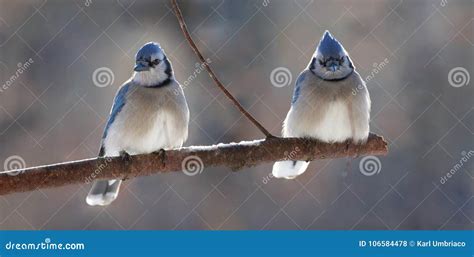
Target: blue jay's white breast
(329,111)
(331,126)
(152,119)
(335,125)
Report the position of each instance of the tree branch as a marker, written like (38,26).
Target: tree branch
(219,84)
(191,160)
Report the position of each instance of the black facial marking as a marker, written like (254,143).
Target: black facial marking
(325,61)
(154,63)
(168,72)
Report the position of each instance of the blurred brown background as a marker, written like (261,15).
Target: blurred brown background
(53,112)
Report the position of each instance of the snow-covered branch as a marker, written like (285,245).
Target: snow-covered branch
(190,160)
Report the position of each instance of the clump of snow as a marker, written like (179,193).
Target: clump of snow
(220,145)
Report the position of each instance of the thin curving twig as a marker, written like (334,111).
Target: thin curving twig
(219,84)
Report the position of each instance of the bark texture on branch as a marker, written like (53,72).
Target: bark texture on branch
(191,159)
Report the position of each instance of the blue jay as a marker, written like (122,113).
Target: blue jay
(330,103)
(149,113)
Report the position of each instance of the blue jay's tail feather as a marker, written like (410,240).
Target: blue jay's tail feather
(103,192)
(289,169)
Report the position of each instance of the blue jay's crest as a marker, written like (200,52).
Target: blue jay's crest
(148,51)
(330,47)
(331,61)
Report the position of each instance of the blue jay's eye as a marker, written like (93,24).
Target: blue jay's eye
(341,61)
(321,62)
(155,62)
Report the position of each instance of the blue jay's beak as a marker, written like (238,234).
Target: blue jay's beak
(141,67)
(333,67)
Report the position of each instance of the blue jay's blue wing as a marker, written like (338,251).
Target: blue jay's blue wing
(296,92)
(119,102)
